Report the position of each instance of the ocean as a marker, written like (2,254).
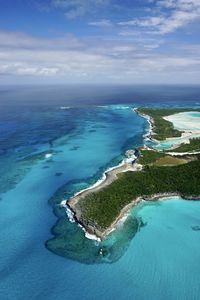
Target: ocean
(55,141)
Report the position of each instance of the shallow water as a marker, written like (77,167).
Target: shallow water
(140,260)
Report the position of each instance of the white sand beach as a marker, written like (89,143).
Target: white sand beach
(188,123)
(185,121)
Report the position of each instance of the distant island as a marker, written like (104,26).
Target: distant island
(146,174)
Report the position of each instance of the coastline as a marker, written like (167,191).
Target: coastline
(134,202)
(95,234)
(148,135)
(108,177)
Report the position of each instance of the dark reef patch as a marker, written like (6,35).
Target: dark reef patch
(70,242)
(196,228)
(58,174)
(74,148)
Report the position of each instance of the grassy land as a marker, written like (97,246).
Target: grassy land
(194,145)
(100,209)
(162,128)
(170,161)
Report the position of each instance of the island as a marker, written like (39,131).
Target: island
(145,174)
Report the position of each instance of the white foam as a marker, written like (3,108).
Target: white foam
(88,235)
(149,131)
(130,159)
(121,107)
(65,107)
(92,237)
(69,213)
(103,106)
(48,155)
(122,220)
(63,203)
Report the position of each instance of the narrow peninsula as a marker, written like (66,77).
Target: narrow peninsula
(146,174)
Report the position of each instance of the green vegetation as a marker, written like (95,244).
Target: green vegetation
(194,145)
(149,156)
(100,209)
(162,128)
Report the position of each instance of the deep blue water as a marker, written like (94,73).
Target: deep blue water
(42,255)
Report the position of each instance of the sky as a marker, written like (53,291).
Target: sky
(100,41)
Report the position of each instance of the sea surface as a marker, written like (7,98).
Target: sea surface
(55,141)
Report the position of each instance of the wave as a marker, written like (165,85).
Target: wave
(71,218)
(68,211)
(120,107)
(122,220)
(89,235)
(48,155)
(65,107)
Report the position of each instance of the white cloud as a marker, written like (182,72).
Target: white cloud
(177,20)
(180,14)
(22,40)
(101,23)
(20,56)
(144,22)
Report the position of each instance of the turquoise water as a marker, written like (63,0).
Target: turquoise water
(154,255)
(167,145)
(194,114)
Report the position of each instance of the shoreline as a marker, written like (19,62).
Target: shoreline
(108,177)
(95,234)
(150,121)
(134,202)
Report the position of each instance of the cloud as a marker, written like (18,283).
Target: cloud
(101,23)
(23,56)
(25,69)
(170,15)
(25,41)
(143,22)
